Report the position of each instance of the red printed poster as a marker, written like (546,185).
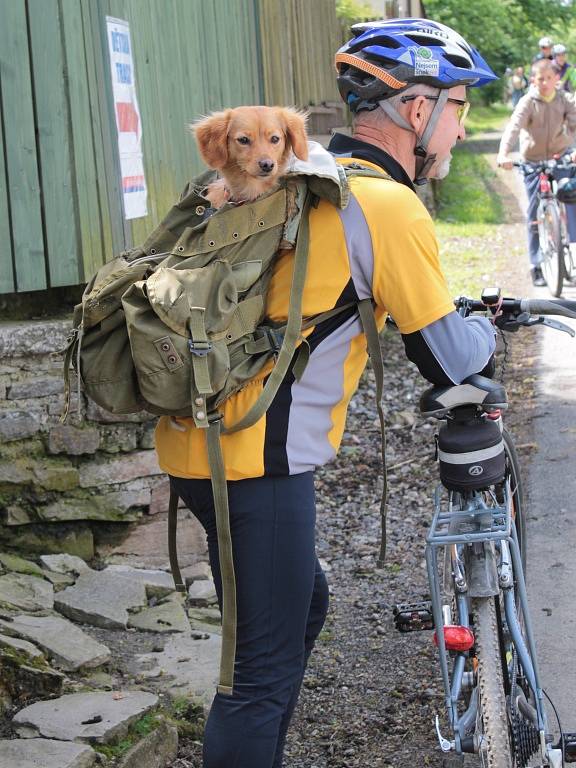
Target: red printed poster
(128,120)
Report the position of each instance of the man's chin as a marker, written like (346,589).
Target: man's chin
(442,170)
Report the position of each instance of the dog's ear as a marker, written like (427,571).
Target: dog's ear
(211,135)
(295,123)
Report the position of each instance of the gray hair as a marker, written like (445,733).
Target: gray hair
(379,117)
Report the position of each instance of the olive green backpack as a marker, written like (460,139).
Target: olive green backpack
(177,326)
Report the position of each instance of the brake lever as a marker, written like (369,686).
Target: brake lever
(511,324)
(557,325)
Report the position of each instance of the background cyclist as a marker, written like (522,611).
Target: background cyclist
(545,122)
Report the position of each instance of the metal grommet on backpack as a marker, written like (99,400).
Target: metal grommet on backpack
(471,454)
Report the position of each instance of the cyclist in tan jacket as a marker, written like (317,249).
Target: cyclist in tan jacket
(545,122)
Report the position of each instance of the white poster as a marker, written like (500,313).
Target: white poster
(128,120)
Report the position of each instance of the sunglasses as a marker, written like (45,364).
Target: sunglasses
(461,112)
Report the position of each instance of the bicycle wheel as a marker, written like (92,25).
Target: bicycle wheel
(518,508)
(492,725)
(569,260)
(551,246)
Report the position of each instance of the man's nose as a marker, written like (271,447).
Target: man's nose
(461,133)
(266,165)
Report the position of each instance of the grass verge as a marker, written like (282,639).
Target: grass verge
(482,118)
(469,214)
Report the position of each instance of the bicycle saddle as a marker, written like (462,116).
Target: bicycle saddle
(475,390)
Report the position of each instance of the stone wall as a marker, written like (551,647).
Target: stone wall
(86,486)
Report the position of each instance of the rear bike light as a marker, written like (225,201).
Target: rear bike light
(457,638)
(545,186)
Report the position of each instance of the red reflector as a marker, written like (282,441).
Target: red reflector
(494,415)
(457,638)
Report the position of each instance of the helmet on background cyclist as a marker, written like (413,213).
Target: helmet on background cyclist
(558,49)
(387,57)
(545,42)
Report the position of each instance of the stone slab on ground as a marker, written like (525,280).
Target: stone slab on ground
(21,646)
(65,564)
(157,750)
(101,599)
(19,564)
(167,617)
(186,667)
(26,593)
(66,645)
(45,753)
(157,583)
(98,717)
(202,593)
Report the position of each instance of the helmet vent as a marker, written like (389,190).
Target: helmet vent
(457,61)
(426,40)
(383,40)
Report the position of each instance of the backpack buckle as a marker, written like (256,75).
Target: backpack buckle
(199,348)
(275,337)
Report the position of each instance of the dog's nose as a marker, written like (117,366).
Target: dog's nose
(266,165)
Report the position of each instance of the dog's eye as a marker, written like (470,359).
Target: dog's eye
(243,140)
(275,139)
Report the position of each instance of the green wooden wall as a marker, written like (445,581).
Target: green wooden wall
(298,41)
(60,197)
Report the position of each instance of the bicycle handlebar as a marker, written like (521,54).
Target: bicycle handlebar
(514,307)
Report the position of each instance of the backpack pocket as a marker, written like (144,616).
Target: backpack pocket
(177,322)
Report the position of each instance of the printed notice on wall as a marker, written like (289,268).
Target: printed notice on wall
(128,120)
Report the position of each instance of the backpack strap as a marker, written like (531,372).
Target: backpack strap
(370,328)
(292,331)
(215,459)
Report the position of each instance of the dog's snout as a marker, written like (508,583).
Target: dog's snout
(266,166)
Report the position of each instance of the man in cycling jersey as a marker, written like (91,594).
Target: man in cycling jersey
(566,71)
(405,82)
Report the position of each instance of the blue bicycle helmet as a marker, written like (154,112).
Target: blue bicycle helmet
(386,57)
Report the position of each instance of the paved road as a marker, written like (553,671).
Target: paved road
(551,485)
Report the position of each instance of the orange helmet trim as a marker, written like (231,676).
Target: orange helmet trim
(371,69)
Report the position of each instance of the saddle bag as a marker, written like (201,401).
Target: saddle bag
(471,454)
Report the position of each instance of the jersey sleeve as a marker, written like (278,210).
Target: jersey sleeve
(406,280)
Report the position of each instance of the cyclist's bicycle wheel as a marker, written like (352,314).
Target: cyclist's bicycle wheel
(492,724)
(569,256)
(551,245)
(518,508)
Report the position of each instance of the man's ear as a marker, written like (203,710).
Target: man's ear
(295,127)
(211,135)
(417,114)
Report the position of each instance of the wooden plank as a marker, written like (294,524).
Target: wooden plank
(20,145)
(6,269)
(54,140)
(85,173)
(116,236)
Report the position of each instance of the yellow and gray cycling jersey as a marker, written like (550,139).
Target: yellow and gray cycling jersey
(381,246)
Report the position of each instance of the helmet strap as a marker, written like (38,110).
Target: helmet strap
(424,160)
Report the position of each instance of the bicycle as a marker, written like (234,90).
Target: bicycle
(476,560)
(557,261)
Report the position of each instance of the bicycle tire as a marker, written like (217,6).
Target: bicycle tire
(569,260)
(551,246)
(496,748)
(518,507)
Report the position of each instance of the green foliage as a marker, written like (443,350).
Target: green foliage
(466,196)
(506,32)
(352,11)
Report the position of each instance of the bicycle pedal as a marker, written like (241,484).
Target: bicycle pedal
(413,617)
(569,747)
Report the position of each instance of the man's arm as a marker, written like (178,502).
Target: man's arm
(450,349)
(517,122)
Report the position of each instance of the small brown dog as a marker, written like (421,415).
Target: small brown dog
(250,147)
